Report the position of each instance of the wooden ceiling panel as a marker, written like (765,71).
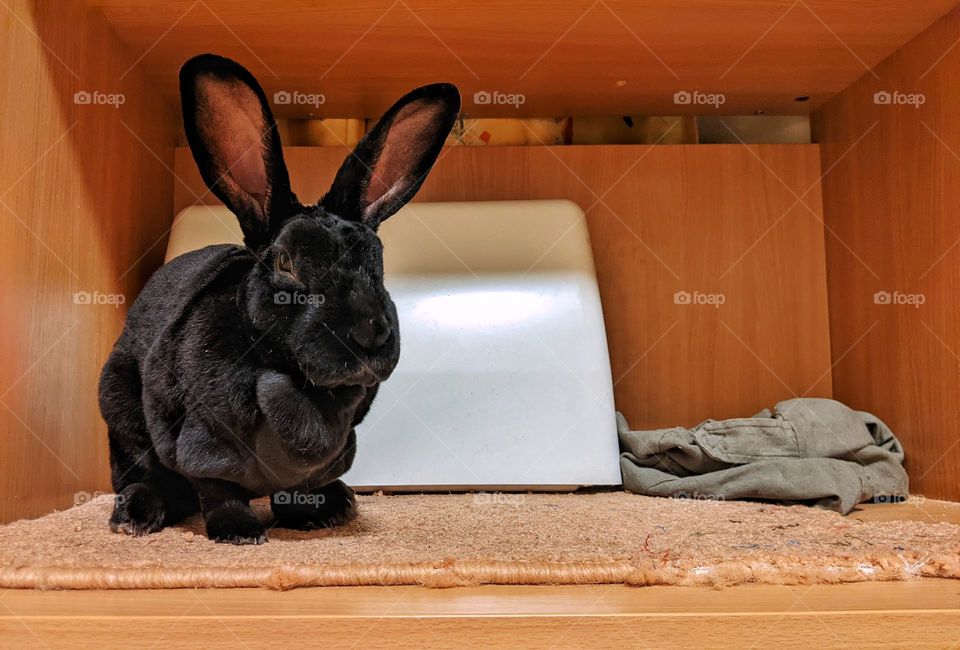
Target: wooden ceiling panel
(588,57)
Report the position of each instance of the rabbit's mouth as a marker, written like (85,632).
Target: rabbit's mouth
(364,376)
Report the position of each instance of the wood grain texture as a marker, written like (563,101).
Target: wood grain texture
(567,58)
(83,200)
(791,629)
(739,221)
(892,204)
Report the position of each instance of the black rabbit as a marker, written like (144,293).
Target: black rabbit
(242,371)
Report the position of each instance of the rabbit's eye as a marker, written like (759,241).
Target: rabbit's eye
(283,263)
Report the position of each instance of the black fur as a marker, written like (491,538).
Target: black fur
(242,371)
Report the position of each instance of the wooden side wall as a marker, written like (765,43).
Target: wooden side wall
(85,196)
(891,153)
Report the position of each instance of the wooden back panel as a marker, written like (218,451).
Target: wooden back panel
(698,219)
(84,206)
(892,201)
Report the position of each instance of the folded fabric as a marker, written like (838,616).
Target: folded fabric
(808,450)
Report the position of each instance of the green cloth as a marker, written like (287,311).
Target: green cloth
(807,450)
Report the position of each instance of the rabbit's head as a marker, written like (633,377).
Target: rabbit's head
(316,298)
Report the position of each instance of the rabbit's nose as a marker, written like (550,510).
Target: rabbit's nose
(371,333)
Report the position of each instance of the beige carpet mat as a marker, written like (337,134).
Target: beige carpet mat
(450,540)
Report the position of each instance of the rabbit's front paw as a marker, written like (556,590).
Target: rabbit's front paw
(234,524)
(330,506)
(138,510)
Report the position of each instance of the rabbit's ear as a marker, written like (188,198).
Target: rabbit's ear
(235,142)
(392,160)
